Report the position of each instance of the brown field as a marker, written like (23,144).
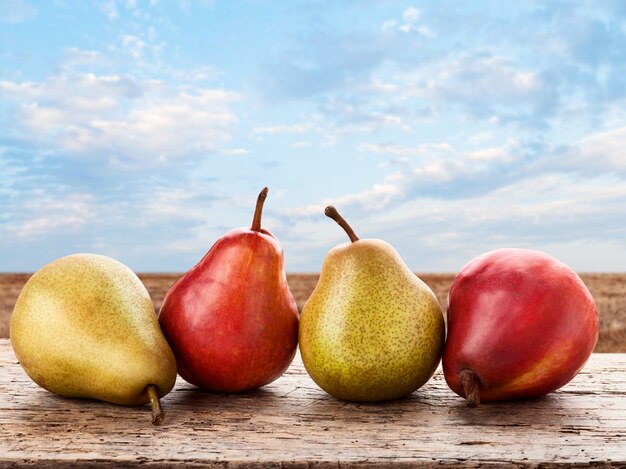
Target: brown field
(609,291)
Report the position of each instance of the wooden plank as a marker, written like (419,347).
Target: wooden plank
(292,423)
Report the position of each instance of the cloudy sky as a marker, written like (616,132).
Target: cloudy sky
(145,129)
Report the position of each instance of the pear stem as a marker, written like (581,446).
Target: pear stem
(256,221)
(157,412)
(331,212)
(470,383)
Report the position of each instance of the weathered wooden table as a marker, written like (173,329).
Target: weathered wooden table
(292,423)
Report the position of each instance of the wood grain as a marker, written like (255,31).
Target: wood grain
(292,423)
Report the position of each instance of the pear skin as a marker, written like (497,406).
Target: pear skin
(231,320)
(371,330)
(521,324)
(84,326)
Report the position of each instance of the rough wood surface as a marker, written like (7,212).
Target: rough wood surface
(292,423)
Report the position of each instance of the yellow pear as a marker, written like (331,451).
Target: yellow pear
(84,326)
(371,330)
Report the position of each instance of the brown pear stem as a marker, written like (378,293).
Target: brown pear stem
(256,221)
(470,383)
(157,413)
(331,212)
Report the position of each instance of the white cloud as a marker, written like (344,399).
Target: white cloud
(484,85)
(428,120)
(478,77)
(546,186)
(16,91)
(492,154)
(436,233)
(16,11)
(168,128)
(422,166)
(109,8)
(441,161)
(411,14)
(235,151)
(45,213)
(409,24)
(338,120)
(65,85)
(400,150)
(122,120)
(378,86)
(606,150)
(376,198)
(73,56)
(171,203)
(480,137)
(426,32)
(134,45)
(282,129)
(389,25)
(457,201)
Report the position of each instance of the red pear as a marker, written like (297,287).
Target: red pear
(521,324)
(232,321)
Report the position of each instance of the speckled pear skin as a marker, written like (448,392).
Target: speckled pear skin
(84,326)
(371,330)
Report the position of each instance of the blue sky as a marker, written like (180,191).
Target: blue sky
(144,129)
